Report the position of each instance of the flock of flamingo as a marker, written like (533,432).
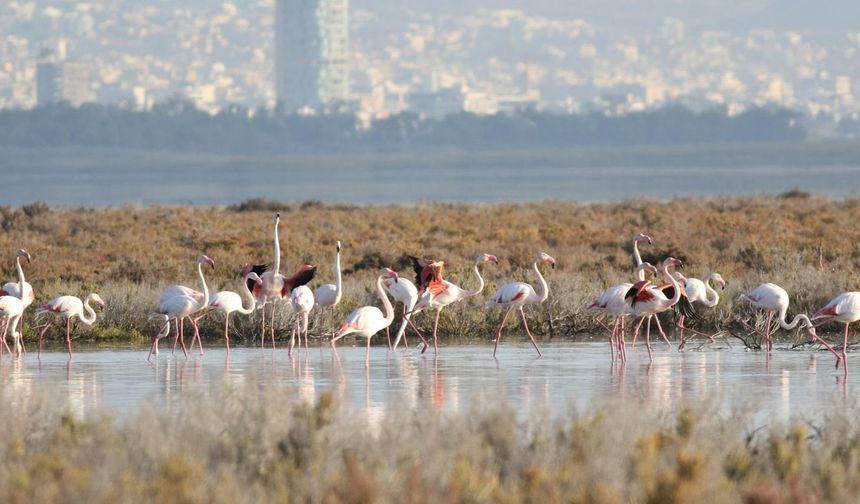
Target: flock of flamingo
(640,300)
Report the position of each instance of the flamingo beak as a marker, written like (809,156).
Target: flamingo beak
(492,258)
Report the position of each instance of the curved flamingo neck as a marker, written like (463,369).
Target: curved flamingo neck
(246,295)
(276,263)
(20,278)
(796,320)
(675,286)
(712,297)
(205,289)
(338,287)
(544,288)
(388,311)
(89,315)
(477,290)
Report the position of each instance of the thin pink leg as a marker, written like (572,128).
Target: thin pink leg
(263,327)
(69,335)
(662,333)
(42,335)
(227,330)
(5,330)
(426,345)
(620,340)
(176,337)
(435,327)
(767,334)
(612,339)
(273,325)
(526,325)
(636,331)
(844,349)
(367,353)
(388,335)
(501,326)
(648,339)
(182,339)
(196,335)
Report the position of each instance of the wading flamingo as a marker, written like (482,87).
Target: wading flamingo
(647,300)
(69,307)
(773,299)
(181,305)
(369,320)
(328,295)
(517,294)
(302,302)
(616,296)
(228,302)
(14,289)
(612,302)
(12,307)
(698,291)
(442,293)
(843,308)
(403,291)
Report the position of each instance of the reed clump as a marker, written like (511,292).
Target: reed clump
(801,243)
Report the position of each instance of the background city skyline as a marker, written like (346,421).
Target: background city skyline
(441,57)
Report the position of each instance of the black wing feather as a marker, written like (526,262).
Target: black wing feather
(259,269)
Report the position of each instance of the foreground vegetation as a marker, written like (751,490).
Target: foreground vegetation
(241,446)
(806,244)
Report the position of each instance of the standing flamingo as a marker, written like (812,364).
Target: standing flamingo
(228,302)
(369,320)
(12,307)
(403,291)
(69,307)
(615,294)
(14,289)
(518,294)
(843,308)
(772,299)
(612,302)
(648,301)
(177,302)
(302,302)
(698,291)
(328,295)
(442,293)
(276,287)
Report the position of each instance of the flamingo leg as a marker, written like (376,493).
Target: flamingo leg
(501,326)
(227,330)
(182,339)
(272,322)
(154,347)
(21,333)
(754,330)
(305,323)
(69,335)
(636,331)
(815,337)
(767,333)
(435,328)
(367,353)
(293,339)
(426,345)
(176,337)
(662,333)
(263,327)
(42,335)
(5,329)
(648,339)
(196,334)
(526,326)
(599,320)
(388,335)
(612,338)
(844,349)
(622,351)
(680,327)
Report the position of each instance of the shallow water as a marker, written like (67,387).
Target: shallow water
(569,375)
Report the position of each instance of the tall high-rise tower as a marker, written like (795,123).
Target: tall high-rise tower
(311,53)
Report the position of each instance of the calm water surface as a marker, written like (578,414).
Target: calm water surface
(570,375)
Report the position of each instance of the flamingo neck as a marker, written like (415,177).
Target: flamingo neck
(712,297)
(338,287)
(544,288)
(205,289)
(675,286)
(388,310)
(477,290)
(20,278)
(276,263)
(640,274)
(89,315)
(796,320)
(246,295)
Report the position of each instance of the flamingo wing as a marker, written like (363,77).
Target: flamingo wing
(302,276)
(511,293)
(844,304)
(259,269)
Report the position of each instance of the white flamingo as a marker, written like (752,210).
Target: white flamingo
(612,302)
(69,307)
(302,302)
(843,308)
(773,299)
(12,307)
(613,295)
(328,295)
(369,320)
(180,305)
(403,291)
(698,291)
(517,294)
(228,302)
(648,301)
(14,289)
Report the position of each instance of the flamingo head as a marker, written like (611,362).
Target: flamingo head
(487,258)
(810,329)
(718,279)
(646,266)
(277,216)
(338,246)
(95,298)
(246,268)
(671,261)
(206,259)
(642,238)
(544,257)
(250,275)
(389,273)
(680,277)
(23,254)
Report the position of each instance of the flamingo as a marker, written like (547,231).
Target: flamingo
(302,302)
(698,291)
(275,286)
(228,302)
(772,299)
(648,301)
(603,301)
(328,295)
(441,293)
(12,307)
(843,308)
(14,289)
(69,307)
(369,320)
(403,291)
(613,302)
(517,294)
(183,302)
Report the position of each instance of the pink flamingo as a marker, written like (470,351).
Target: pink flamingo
(648,301)
(612,302)
(616,296)
(328,295)
(442,293)
(276,287)
(228,302)
(774,300)
(518,294)
(302,302)
(698,291)
(14,289)
(403,291)
(177,302)
(843,308)
(369,320)
(69,307)
(12,307)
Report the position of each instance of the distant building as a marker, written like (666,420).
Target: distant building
(311,53)
(59,80)
(47,83)
(439,104)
